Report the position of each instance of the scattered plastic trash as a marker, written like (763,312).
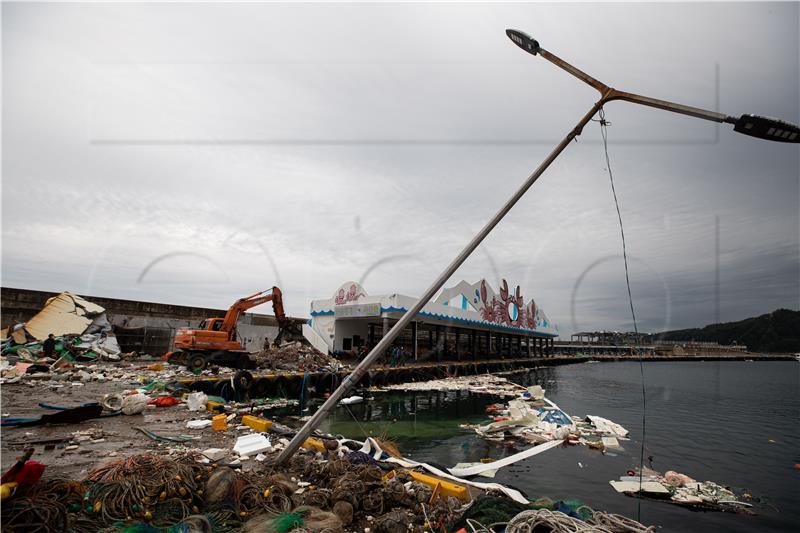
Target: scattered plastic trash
(134,404)
(219,423)
(112,402)
(196,401)
(604,425)
(258,424)
(164,401)
(251,444)
(198,424)
(351,400)
(680,489)
(611,443)
(214,454)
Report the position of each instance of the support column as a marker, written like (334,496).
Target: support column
(371,335)
(473,339)
(458,337)
(528,344)
(384,331)
(437,345)
(414,336)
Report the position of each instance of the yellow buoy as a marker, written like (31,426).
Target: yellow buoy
(7,489)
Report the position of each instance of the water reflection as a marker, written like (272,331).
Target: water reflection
(410,415)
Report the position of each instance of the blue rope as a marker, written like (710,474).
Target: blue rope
(303,390)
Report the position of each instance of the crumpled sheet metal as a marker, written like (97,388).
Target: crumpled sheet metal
(61,315)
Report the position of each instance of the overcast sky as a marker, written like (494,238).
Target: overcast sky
(194,153)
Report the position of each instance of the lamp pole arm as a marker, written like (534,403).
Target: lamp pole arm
(608,94)
(670,106)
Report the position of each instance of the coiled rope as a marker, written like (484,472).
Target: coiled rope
(558,522)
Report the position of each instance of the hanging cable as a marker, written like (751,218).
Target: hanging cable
(604,131)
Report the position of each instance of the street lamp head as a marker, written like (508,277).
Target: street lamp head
(524,41)
(767,128)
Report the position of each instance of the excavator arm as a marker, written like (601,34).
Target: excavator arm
(243,304)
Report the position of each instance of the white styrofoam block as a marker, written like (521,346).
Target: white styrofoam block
(251,444)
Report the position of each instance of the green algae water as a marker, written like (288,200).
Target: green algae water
(735,423)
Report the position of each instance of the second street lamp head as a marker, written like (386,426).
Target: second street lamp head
(771,129)
(524,41)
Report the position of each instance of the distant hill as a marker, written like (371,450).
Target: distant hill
(778,331)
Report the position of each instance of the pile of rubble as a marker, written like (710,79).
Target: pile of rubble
(331,485)
(482,384)
(81,332)
(296,356)
(533,418)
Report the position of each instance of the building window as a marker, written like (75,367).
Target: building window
(358,341)
(347,344)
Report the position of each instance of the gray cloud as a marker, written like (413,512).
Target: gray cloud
(255,135)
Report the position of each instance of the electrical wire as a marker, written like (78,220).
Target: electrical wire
(604,131)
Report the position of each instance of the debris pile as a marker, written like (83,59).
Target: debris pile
(482,384)
(296,356)
(680,489)
(331,485)
(534,418)
(80,328)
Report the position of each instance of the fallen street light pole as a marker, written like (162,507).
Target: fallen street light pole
(763,127)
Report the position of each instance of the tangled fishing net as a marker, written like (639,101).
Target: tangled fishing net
(178,494)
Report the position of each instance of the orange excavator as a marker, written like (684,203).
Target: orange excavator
(215,342)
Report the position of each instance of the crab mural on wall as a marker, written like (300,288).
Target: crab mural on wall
(348,292)
(507,309)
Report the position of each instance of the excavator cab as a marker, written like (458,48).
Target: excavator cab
(211,324)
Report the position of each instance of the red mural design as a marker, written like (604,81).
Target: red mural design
(500,310)
(351,295)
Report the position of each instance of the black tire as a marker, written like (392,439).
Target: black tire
(259,388)
(196,361)
(177,357)
(242,381)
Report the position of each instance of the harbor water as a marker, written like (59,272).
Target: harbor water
(733,422)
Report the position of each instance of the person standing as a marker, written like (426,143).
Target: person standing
(49,346)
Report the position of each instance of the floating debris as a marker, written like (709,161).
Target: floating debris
(680,489)
(482,384)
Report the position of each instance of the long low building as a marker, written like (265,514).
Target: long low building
(464,321)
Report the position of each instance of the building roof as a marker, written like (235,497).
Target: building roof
(471,303)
